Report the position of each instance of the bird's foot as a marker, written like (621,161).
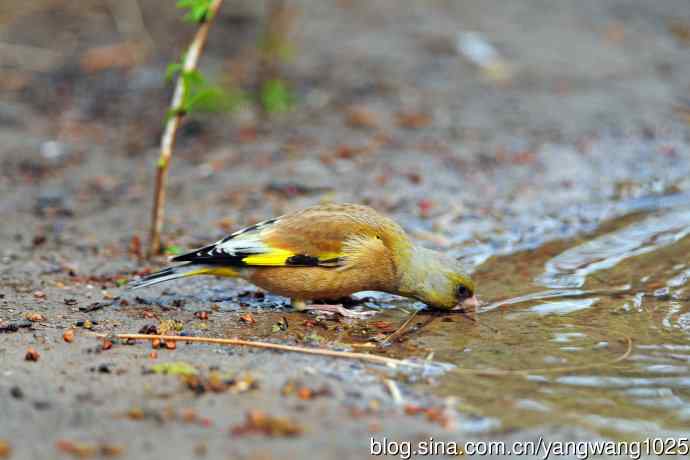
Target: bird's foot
(330,309)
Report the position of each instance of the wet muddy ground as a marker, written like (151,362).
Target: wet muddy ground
(566,192)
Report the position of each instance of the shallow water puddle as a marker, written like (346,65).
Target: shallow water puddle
(563,313)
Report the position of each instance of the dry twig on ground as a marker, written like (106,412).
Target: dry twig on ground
(267,345)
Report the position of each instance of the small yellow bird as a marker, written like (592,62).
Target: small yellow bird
(328,252)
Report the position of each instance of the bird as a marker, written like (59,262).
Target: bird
(327,252)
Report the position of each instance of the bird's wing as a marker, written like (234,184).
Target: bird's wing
(323,235)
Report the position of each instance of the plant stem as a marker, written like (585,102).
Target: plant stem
(168,139)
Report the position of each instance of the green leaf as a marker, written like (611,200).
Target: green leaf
(314,338)
(174,368)
(275,96)
(197,10)
(194,77)
(216,99)
(281,325)
(173,250)
(172,70)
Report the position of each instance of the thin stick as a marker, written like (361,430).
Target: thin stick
(271,346)
(394,391)
(168,139)
(400,330)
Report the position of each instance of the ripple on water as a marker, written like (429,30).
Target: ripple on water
(623,382)
(563,307)
(571,268)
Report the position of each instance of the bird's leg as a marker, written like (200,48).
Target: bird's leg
(331,309)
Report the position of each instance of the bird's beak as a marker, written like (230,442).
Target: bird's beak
(469,304)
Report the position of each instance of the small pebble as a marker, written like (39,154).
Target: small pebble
(32,355)
(68,336)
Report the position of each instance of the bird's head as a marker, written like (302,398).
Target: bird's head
(438,280)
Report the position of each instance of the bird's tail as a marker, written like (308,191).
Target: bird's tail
(181,271)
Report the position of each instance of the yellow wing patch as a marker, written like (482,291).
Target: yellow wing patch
(280,258)
(275,257)
(217,271)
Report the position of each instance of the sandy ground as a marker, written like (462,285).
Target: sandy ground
(590,114)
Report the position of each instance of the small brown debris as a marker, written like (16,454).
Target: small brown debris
(384,326)
(34,317)
(40,295)
(202,315)
(119,55)
(304,393)
(76,449)
(106,344)
(242,383)
(170,344)
(32,355)
(681,31)
(524,157)
(413,120)
(136,413)
(5,449)
(111,450)
(149,329)
(155,343)
(414,177)
(434,414)
(615,32)
(68,335)
(425,207)
(217,383)
(225,224)
(38,240)
(258,422)
(248,134)
(189,415)
(349,151)
(153,354)
(135,247)
(361,117)
(248,318)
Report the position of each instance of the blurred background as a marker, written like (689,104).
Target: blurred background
(368,101)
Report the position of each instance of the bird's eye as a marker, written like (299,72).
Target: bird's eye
(463,292)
